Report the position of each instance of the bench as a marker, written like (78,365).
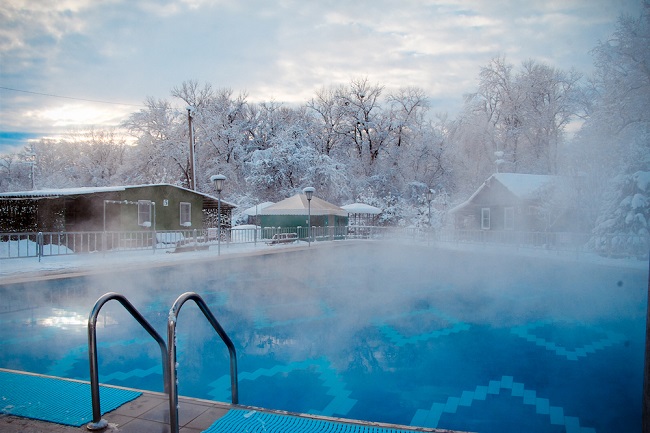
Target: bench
(283,238)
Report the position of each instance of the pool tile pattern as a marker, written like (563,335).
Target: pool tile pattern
(336,387)
(527,332)
(400,340)
(431,417)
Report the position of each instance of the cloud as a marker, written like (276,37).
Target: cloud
(125,51)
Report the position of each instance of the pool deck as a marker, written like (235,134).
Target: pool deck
(149,413)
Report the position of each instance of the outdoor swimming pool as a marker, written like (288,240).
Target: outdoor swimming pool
(400,334)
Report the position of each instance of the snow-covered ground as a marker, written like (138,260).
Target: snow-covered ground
(18,269)
(30,267)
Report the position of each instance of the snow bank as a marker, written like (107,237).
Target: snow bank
(27,248)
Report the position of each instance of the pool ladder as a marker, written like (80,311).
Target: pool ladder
(168,353)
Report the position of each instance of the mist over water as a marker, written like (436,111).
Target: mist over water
(355,311)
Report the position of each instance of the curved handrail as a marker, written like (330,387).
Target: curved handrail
(171,337)
(98,422)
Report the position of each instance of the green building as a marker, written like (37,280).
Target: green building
(114,208)
(294,212)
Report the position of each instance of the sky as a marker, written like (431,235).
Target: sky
(76,64)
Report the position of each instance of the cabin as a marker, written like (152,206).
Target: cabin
(114,208)
(518,202)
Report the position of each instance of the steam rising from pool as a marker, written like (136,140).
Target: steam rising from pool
(332,309)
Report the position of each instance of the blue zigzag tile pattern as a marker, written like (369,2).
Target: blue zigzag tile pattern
(431,417)
(398,339)
(527,332)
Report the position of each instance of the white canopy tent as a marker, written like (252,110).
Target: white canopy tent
(361,213)
(253,212)
(257,209)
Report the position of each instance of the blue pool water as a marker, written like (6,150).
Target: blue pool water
(408,335)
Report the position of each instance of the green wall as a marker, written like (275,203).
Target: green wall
(302,220)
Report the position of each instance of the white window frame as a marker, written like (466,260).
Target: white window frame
(144,213)
(485,218)
(509,218)
(185,216)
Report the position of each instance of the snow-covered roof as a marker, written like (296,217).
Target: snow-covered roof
(255,210)
(522,186)
(361,208)
(58,192)
(299,205)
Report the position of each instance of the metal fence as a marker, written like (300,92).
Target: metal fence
(614,245)
(40,244)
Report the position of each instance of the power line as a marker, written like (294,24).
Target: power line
(69,97)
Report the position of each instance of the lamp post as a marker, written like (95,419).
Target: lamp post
(309,192)
(218,180)
(429,197)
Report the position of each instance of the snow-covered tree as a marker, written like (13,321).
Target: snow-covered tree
(612,150)
(551,101)
(280,166)
(521,114)
(161,153)
(98,155)
(328,130)
(622,228)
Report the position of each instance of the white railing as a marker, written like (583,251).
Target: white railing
(41,244)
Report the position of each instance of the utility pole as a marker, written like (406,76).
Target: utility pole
(189,121)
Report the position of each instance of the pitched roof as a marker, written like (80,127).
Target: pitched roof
(299,205)
(522,186)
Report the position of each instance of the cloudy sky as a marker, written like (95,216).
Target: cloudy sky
(58,58)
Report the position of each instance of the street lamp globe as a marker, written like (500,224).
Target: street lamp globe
(218,180)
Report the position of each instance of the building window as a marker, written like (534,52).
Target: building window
(144,213)
(509,218)
(186,214)
(485,218)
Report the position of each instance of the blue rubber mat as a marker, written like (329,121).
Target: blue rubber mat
(237,420)
(55,400)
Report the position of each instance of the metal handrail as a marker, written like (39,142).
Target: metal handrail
(171,337)
(98,423)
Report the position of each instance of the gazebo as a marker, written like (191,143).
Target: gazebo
(294,212)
